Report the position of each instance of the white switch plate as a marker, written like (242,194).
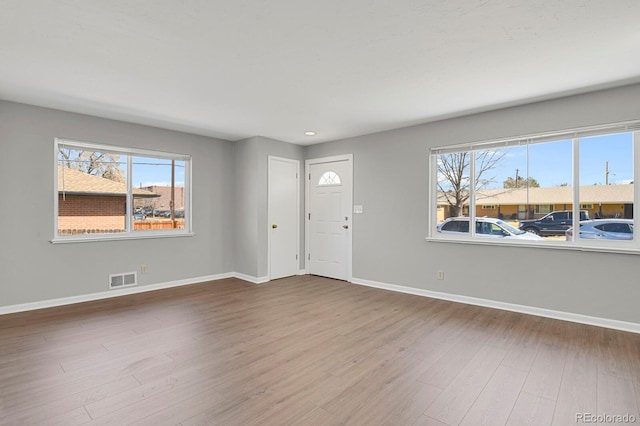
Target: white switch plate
(357,209)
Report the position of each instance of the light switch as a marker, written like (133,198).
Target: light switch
(357,209)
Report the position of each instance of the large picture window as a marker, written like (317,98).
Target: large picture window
(106,192)
(541,189)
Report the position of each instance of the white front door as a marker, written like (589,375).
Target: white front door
(329,188)
(284,217)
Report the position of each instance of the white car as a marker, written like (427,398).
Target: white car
(604,229)
(486,227)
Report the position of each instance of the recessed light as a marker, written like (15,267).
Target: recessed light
(310,133)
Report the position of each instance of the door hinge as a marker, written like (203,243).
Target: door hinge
(309,176)
(309,256)
(309,216)
(296,257)
(296,176)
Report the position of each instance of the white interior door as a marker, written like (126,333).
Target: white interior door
(329,218)
(284,217)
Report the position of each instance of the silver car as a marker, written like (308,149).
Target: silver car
(604,229)
(486,227)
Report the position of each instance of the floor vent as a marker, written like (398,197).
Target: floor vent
(123,280)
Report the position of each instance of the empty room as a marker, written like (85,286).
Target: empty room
(248,212)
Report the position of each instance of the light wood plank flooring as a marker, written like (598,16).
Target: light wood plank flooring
(306,351)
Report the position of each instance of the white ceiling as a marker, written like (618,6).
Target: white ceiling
(277,68)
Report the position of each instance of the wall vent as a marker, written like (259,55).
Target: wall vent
(123,280)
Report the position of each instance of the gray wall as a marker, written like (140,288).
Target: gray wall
(246,207)
(33,269)
(391,181)
(252,204)
(230,212)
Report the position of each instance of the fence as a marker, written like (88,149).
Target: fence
(137,226)
(157,224)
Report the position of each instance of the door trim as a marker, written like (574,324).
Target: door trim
(269,222)
(307,164)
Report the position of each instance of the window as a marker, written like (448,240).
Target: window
(106,192)
(537,183)
(329,178)
(456,226)
(544,208)
(622,228)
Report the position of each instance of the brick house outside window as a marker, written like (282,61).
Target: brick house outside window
(89,204)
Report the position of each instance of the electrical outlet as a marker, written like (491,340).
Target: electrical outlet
(441,275)
(144,269)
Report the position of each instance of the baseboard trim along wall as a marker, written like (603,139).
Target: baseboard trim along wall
(547,313)
(541,312)
(125,291)
(250,278)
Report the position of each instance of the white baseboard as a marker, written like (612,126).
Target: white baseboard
(541,312)
(260,280)
(11,309)
(250,278)
(109,294)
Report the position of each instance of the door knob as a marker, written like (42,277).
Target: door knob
(274,226)
(345,226)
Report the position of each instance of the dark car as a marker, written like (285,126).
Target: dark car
(555,223)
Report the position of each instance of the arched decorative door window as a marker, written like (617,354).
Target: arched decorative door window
(329,178)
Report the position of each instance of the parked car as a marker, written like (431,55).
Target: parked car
(139,216)
(604,229)
(555,223)
(485,227)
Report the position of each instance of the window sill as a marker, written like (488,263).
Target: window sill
(118,237)
(559,245)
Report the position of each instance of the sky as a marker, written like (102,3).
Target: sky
(147,171)
(156,171)
(551,163)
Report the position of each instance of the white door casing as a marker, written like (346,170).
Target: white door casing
(283,217)
(329,205)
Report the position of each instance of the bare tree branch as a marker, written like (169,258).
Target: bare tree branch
(453,175)
(95,163)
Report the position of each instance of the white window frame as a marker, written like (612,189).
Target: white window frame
(129,233)
(616,246)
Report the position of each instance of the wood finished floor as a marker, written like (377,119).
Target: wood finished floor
(306,351)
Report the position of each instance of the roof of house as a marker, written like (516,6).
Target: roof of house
(594,194)
(71,181)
